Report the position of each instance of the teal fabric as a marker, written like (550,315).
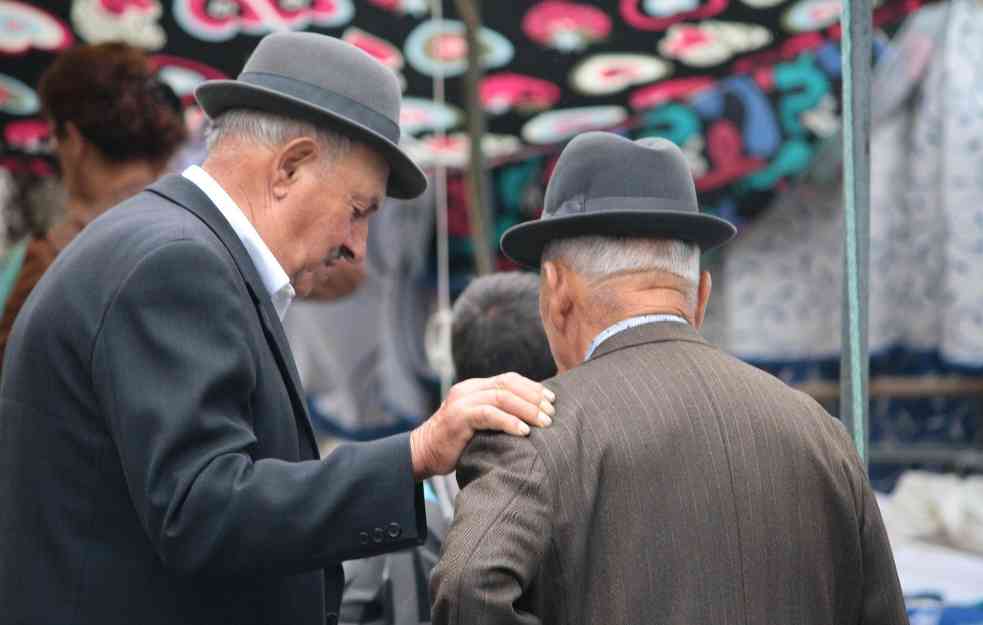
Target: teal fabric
(10,268)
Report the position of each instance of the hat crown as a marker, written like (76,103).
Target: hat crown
(602,167)
(325,82)
(609,186)
(330,64)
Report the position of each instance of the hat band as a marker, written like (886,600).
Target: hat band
(332,102)
(579,205)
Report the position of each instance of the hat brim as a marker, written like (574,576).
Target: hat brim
(406,179)
(524,242)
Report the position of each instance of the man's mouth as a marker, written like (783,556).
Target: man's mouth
(341,253)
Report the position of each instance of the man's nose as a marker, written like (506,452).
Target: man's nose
(357,240)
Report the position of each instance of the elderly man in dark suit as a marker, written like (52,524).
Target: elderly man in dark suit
(677,485)
(157,465)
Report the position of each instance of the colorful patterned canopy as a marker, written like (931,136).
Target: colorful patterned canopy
(746,87)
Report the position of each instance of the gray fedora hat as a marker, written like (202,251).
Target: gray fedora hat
(606,185)
(322,80)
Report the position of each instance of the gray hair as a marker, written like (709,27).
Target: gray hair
(598,257)
(496,329)
(273,130)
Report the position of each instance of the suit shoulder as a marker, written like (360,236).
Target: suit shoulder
(579,388)
(495,446)
(137,229)
(152,220)
(680,367)
(758,391)
(490,452)
(145,235)
(770,384)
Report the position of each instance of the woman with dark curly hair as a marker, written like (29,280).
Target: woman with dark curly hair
(114,126)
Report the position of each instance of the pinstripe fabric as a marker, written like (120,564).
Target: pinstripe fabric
(677,486)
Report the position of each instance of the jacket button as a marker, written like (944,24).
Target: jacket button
(363,537)
(330,619)
(395,531)
(378,535)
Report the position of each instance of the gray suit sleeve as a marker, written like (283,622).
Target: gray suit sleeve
(174,366)
(501,533)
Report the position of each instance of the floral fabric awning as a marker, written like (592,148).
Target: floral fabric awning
(746,87)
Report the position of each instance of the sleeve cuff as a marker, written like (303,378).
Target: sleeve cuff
(403,523)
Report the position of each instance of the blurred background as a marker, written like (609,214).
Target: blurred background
(750,89)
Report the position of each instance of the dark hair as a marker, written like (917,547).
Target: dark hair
(497,328)
(112,95)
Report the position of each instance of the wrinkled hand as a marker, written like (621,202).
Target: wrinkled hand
(507,403)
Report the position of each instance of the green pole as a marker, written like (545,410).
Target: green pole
(854,367)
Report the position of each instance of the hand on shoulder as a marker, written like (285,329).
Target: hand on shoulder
(508,403)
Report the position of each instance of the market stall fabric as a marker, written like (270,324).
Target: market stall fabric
(746,87)
(781,280)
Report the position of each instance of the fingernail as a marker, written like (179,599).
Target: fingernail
(547,407)
(550,395)
(544,420)
(524,429)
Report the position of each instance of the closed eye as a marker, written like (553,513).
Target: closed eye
(362,207)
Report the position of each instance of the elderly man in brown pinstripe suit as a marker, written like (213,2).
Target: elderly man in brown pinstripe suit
(677,485)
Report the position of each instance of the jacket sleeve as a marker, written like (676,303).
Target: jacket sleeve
(882,599)
(883,602)
(501,533)
(174,365)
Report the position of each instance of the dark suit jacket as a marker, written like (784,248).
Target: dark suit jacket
(394,589)
(677,486)
(156,460)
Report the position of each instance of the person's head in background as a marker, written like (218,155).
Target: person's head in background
(114,125)
(496,328)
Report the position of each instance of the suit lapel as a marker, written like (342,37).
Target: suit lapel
(187,194)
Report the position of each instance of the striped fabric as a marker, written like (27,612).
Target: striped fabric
(677,486)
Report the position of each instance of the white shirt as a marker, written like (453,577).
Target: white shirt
(625,324)
(274,278)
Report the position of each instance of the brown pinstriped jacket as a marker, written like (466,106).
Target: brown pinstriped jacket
(677,486)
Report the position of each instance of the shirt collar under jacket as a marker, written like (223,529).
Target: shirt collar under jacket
(274,278)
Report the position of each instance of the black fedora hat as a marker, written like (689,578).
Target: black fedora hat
(606,185)
(322,80)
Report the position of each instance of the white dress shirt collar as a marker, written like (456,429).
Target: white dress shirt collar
(274,278)
(625,324)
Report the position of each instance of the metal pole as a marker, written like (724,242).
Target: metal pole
(484,259)
(443,252)
(854,365)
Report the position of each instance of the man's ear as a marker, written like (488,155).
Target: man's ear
(702,298)
(73,141)
(547,282)
(560,302)
(290,160)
